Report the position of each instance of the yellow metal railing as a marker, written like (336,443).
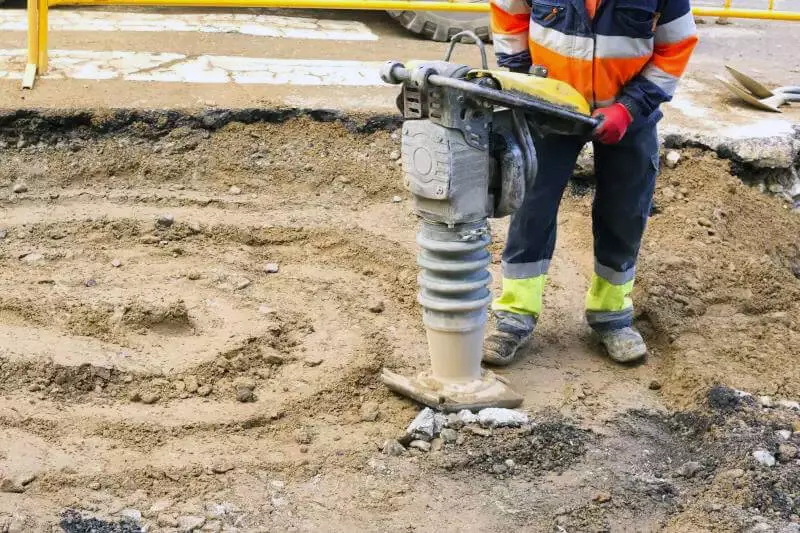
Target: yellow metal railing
(38,15)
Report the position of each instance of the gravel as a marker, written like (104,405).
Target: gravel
(245,395)
(271,268)
(19,188)
(191,384)
(420,445)
(370,411)
(242,283)
(393,448)
(787,452)
(150,398)
(244,383)
(449,435)
(689,469)
(165,221)
(311,361)
(703,221)
(190,523)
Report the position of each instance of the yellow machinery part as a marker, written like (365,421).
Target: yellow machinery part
(552,91)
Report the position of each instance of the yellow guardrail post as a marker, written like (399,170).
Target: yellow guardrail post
(724,20)
(44,30)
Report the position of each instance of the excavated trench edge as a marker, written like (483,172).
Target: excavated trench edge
(49,127)
(30,127)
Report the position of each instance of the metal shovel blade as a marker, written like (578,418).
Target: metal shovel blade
(757,89)
(768,104)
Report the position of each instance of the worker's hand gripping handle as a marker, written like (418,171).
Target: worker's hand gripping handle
(614,123)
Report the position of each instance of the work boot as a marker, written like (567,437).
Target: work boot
(624,345)
(510,332)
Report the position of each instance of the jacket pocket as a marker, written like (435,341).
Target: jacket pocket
(547,13)
(636,18)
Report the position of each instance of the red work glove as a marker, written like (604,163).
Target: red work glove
(615,120)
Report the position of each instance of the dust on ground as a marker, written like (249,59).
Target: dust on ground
(196,310)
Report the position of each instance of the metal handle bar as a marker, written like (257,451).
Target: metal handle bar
(396,73)
(471,34)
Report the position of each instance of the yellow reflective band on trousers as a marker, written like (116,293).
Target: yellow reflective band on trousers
(604,296)
(521,296)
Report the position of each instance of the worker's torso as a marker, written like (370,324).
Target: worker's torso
(596,55)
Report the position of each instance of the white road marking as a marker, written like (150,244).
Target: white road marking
(242,23)
(167,67)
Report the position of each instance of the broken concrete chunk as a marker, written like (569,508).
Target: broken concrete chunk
(426,425)
(453,421)
(672,158)
(495,417)
(764,458)
(789,404)
(131,514)
(467,417)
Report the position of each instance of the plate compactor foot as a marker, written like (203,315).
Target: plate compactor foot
(490,390)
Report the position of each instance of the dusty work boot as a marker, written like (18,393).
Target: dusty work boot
(510,332)
(624,345)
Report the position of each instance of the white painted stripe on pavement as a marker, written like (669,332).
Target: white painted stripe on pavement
(242,23)
(144,66)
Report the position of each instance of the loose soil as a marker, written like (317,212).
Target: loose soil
(137,313)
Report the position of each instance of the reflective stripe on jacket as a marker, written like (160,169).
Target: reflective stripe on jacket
(633,51)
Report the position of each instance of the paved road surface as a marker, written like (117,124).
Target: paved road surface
(155,58)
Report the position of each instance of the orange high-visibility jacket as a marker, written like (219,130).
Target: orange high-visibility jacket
(631,51)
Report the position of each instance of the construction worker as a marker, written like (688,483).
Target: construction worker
(625,57)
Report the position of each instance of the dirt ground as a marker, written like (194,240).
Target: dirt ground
(189,338)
